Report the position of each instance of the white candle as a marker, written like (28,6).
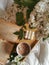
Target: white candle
(33,35)
(26,36)
(29,36)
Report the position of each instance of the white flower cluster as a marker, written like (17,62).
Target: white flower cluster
(46,1)
(39,17)
(41,7)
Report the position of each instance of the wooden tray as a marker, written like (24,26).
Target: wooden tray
(7,30)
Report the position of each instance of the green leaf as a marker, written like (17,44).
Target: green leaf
(20,19)
(28,3)
(24,26)
(21,34)
(48,16)
(28,13)
(18,58)
(46,38)
(12,58)
(17,2)
(16,33)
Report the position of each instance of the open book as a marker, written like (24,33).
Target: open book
(5,50)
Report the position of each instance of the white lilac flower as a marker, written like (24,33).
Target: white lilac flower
(24,63)
(13,60)
(32,18)
(13,63)
(7,61)
(11,55)
(46,1)
(17,58)
(41,7)
(18,63)
(47,28)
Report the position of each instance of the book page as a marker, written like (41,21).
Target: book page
(5,50)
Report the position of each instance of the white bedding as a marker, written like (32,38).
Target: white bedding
(5,3)
(39,54)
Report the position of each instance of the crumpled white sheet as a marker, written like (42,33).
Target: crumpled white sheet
(39,54)
(5,3)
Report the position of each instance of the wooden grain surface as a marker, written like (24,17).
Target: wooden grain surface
(7,30)
(5,50)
